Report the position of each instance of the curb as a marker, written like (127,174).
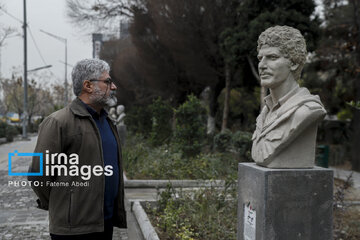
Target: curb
(174,183)
(147,229)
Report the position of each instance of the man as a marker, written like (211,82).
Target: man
(285,134)
(82,183)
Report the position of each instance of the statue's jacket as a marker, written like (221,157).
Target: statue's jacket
(288,139)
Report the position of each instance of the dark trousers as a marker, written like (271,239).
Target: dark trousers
(106,235)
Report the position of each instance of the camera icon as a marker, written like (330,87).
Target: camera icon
(17,154)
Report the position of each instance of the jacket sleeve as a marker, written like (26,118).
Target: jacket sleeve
(49,138)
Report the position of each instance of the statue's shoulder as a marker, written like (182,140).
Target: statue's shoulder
(313,105)
(308,100)
(311,110)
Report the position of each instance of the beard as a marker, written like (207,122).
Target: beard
(99,98)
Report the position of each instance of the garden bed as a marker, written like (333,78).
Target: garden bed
(211,213)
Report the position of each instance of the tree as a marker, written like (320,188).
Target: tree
(176,43)
(5,32)
(39,97)
(337,64)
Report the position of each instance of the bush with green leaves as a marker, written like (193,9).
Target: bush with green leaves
(241,142)
(8,131)
(222,140)
(190,129)
(144,161)
(162,113)
(207,213)
(138,120)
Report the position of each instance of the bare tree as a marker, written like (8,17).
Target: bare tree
(5,32)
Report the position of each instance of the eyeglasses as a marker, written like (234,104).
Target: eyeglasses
(107,81)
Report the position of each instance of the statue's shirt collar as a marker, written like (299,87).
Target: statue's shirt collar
(274,105)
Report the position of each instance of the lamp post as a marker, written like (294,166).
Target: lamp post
(63,40)
(25,114)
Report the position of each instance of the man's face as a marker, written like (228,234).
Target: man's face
(273,67)
(104,91)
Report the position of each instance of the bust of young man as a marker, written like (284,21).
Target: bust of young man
(285,135)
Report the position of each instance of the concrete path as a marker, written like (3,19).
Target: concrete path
(344,174)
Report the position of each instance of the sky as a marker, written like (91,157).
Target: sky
(50,16)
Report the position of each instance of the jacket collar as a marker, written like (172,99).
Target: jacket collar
(78,108)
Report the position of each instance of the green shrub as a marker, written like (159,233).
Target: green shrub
(222,140)
(161,121)
(202,214)
(138,120)
(144,161)
(345,114)
(8,131)
(2,129)
(190,126)
(241,142)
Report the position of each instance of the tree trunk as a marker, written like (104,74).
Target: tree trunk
(213,106)
(256,75)
(227,98)
(210,125)
(206,97)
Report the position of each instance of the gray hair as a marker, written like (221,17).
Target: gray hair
(290,42)
(87,69)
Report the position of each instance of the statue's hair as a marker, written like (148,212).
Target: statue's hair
(87,69)
(290,42)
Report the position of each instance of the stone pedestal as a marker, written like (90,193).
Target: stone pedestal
(284,204)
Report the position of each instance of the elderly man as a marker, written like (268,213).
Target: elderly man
(285,134)
(85,192)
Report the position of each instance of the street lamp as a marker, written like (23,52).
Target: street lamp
(39,68)
(63,40)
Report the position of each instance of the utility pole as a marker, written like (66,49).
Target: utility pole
(25,115)
(66,83)
(64,40)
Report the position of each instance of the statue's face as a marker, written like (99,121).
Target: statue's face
(273,67)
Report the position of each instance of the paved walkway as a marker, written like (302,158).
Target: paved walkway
(344,174)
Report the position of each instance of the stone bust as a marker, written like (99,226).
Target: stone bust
(285,135)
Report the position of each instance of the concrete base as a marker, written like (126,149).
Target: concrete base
(284,204)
